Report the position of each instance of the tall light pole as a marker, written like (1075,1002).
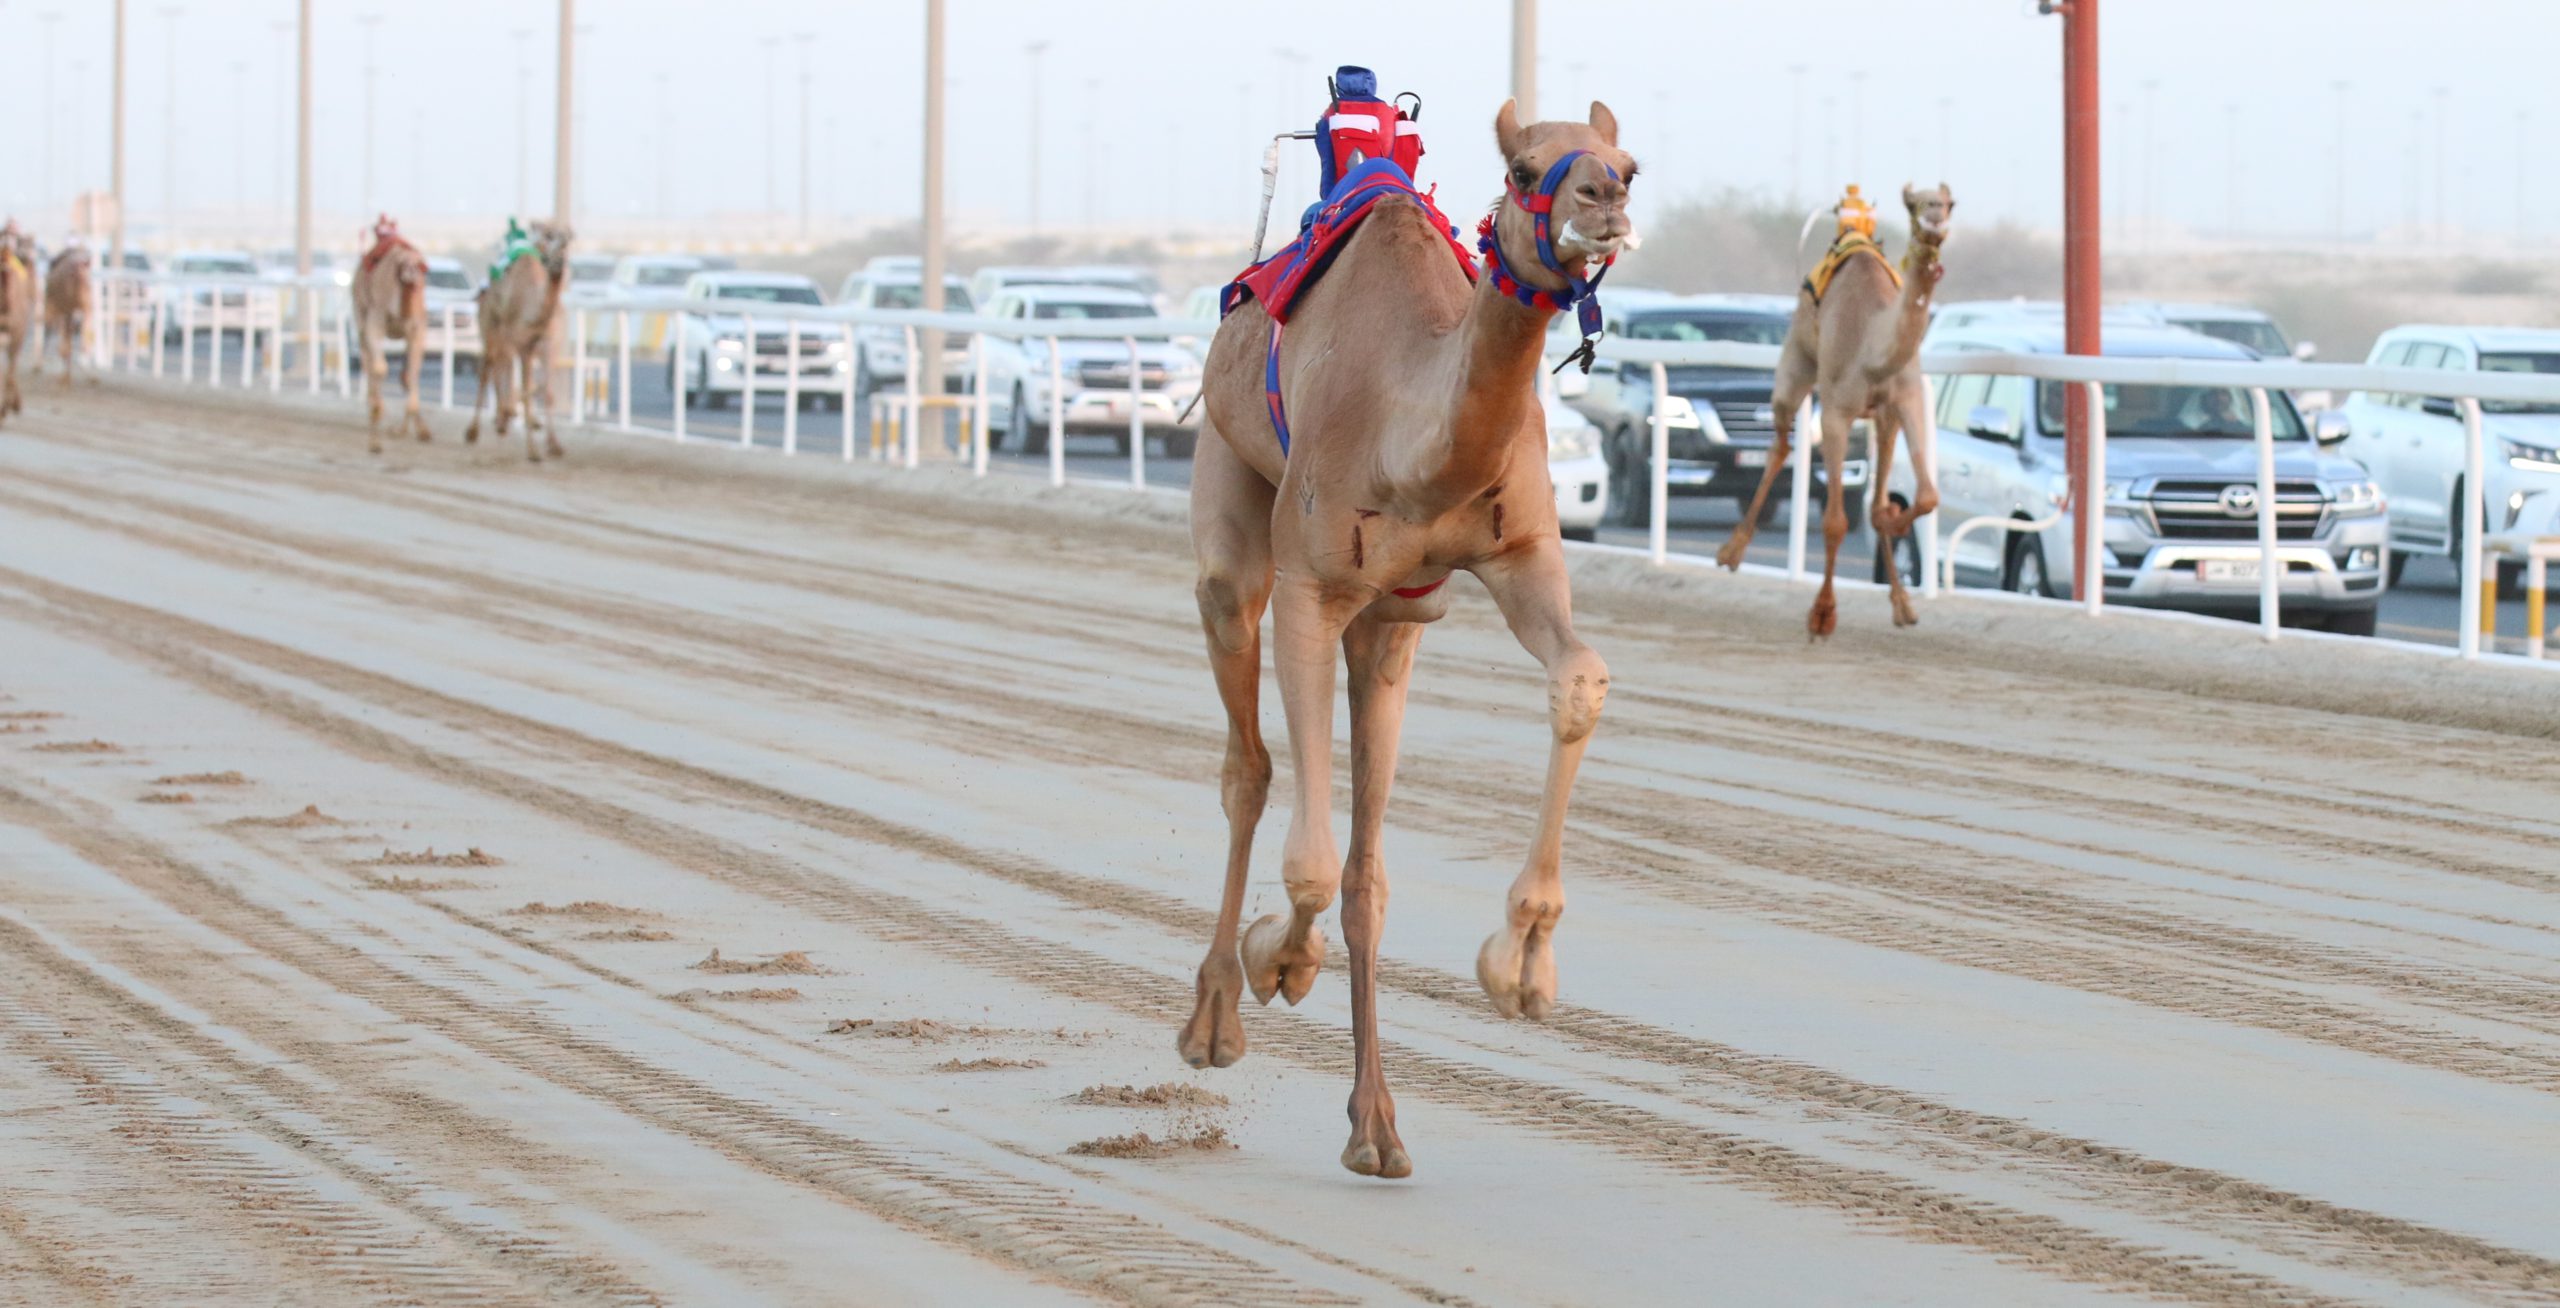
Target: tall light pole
(1034,50)
(169,139)
(928,369)
(48,18)
(2082,219)
(564,113)
(801,41)
(283,28)
(115,149)
(772,195)
(1524,57)
(524,125)
(364,209)
(1795,139)
(302,149)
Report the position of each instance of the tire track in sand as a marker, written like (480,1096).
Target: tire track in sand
(1635,1132)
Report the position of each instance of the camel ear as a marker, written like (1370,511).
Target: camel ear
(1507,136)
(1604,122)
(1910,196)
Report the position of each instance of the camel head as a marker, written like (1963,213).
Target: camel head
(551,245)
(1930,212)
(1588,224)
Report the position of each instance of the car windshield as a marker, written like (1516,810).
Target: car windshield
(664,274)
(2545,364)
(448,279)
(2259,336)
(954,299)
(218,264)
(767,294)
(1708,327)
(1088,309)
(2187,412)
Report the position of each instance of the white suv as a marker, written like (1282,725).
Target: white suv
(1094,370)
(2413,444)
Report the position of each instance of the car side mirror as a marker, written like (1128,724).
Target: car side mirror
(2305,351)
(2330,427)
(1991,422)
(2441,406)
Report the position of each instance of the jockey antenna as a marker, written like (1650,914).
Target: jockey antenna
(1415,113)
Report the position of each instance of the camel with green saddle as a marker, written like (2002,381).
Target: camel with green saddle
(1419,449)
(517,309)
(1855,343)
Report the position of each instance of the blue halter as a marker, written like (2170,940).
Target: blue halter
(1579,294)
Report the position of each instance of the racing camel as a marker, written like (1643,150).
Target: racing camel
(67,305)
(1419,449)
(390,296)
(516,311)
(18,310)
(1855,341)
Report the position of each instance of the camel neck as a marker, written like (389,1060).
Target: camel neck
(1499,344)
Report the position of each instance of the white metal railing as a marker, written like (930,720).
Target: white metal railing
(323,324)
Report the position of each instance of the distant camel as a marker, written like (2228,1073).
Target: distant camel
(516,311)
(390,296)
(67,305)
(1855,342)
(18,309)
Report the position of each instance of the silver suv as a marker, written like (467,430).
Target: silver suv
(2181,492)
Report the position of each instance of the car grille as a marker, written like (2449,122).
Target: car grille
(1115,376)
(2192,509)
(1746,420)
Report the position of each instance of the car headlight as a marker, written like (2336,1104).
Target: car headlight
(1568,441)
(2529,458)
(2120,494)
(1677,411)
(2355,499)
(730,344)
(837,346)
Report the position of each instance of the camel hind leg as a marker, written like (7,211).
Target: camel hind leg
(1824,618)
(369,349)
(542,401)
(1786,399)
(1231,536)
(413,364)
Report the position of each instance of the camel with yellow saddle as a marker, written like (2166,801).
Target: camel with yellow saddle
(1855,342)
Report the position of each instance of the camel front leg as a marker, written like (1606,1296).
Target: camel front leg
(413,363)
(538,399)
(1380,657)
(369,347)
(1889,523)
(1306,622)
(1231,535)
(1825,616)
(1517,966)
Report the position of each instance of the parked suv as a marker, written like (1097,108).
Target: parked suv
(2413,444)
(1094,370)
(710,353)
(1719,423)
(2181,491)
(880,350)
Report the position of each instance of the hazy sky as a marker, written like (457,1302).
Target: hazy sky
(1155,109)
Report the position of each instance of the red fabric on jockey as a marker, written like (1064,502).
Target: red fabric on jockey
(1359,128)
(1278,281)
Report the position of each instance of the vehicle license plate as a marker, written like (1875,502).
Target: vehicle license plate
(2227,569)
(1751,458)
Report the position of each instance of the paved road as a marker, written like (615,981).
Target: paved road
(641,879)
(2426,606)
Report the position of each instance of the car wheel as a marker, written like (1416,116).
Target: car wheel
(1583,534)
(1024,437)
(1630,496)
(1181,444)
(1120,444)
(2026,572)
(2398,562)
(2353,622)
(1904,553)
(2510,575)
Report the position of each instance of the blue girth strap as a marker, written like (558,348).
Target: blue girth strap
(1271,390)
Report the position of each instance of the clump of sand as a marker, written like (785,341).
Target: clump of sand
(586,908)
(759,995)
(78,747)
(793,963)
(629,933)
(428,857)
(1170,1094)
(985,1064)
(167,797)
(1139,1144)
(413,885)
(28,715)
(202,779)
(310,816)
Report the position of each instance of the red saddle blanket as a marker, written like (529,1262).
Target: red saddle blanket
(1278,281)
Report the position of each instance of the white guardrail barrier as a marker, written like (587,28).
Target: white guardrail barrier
(171,309)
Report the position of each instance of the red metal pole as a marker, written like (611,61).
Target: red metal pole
(2080,289)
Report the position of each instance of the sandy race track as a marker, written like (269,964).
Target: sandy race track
(679,877)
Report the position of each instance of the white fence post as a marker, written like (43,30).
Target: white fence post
(1658,482)
(978,408)
(447,370)
(1925,531)
(2270,577)
(675,334)
(791,388)
(845,387)
(578,367)
(622,367)
(2094,520)
(914,403)
(2472,472)
(311,335)
(1801,493)
(1057,417)
(747,395)
(1137,417)
(159,330)
(275,344)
